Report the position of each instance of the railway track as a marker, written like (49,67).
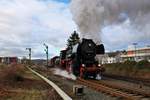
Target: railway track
(123,92)
(116,91)
(145,82)
(123,87)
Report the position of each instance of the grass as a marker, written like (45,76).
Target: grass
(130,68)
(18,83)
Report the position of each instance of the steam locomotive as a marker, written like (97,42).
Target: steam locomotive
(81,59)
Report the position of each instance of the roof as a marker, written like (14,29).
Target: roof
(113,54)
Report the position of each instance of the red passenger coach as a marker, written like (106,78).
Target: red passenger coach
(13,60)
(9,60)
(54,61)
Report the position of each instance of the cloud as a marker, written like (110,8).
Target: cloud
(25,23)
(120,36)
(30,23)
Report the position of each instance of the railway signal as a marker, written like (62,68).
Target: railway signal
(46,51)
(29,49)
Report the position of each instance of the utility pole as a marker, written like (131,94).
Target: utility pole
(29,55)
(135,44)
(46,51)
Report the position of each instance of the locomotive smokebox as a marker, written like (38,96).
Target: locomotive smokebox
(87,51)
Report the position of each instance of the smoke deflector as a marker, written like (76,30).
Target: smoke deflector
(100,49)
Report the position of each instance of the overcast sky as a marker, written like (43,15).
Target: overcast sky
(30,23)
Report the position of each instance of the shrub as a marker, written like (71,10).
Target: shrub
(18,77)
(143,64)
(129,63)
(13,73)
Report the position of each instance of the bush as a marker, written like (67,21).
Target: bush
(144,64)
(18,78)
(129,63)
(13,73)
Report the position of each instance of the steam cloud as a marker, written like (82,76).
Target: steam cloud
(64,73)
(91,15)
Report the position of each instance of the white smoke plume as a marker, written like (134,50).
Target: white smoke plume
(64,73)
(91,15)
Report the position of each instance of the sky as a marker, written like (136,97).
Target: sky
(31,23)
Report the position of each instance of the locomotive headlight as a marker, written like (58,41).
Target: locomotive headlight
(83,65)
(99,65)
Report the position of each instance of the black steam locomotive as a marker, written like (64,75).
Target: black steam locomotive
(81,59)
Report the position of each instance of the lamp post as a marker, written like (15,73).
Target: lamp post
(46,51)
(135,44)
(29,55)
